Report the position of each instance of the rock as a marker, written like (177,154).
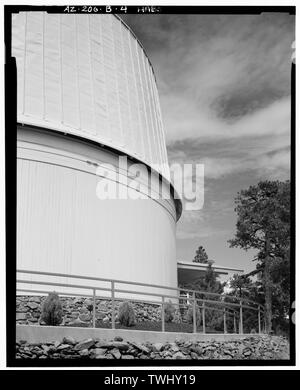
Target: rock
(194,355)
(57,344)
(21,316)
(118,338)
(122,346)
(33,305)
(115,353)
(179,356)
(101,315)
(173,347)
(21,310)
(32,319)
(228,352)
(85,317)
(63,346)
(78,323)
(127,357)
(85,344)
(158,347)
(197,350)
(84,352)
(247,353)
(35,299)
(102,308)
(140,347)
(98,352)
(69,340)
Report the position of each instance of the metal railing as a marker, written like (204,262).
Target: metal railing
(200,301)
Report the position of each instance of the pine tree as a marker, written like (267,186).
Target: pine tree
(201,256)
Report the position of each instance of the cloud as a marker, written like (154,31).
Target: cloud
(224,86)
(189,122)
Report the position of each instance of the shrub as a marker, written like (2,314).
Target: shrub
(52,312)
(189,315)
(126,314)
(89,306)
(169,311)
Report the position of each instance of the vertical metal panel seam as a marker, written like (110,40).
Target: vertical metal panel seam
(144,93)
(92,72)
(155,155)
(105,82)
(136,95)
(148,156)
(117,84)
(140,130)
(162,131)
(127,88)
(43,70)
(147,101)
(77,70)
(61,70)
(159,129)
(158,137)
(24,62)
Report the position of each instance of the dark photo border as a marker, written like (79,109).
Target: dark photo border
(11,197)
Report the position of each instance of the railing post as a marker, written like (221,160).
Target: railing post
(203,317)
(162,313)
(94,308)
(234,323)
(241,318)
(194,313)
(113,326)
(259,326)
(224,318)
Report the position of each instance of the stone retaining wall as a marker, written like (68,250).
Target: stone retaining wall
(76,313)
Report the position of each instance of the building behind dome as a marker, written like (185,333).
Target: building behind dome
(86,95)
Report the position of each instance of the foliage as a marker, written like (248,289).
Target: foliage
(264,224)
(89,306)
(52,312)
(201,256)
(208,283)
(126,314)
(189,315)
(170,310)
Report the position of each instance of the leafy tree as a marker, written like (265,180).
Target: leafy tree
(201,256)
(241,285)
(209,283)
(264,224)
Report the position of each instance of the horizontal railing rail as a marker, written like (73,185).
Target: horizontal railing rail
(137,284)
(190,297)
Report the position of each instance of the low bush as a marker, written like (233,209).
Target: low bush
(189,315)
(126,315)
(169,311)
(52,312)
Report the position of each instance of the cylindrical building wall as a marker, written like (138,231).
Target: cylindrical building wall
(86,96)
(88,75)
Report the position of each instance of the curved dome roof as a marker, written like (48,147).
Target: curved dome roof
(88,75)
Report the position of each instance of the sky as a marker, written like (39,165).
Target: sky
(224,86)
